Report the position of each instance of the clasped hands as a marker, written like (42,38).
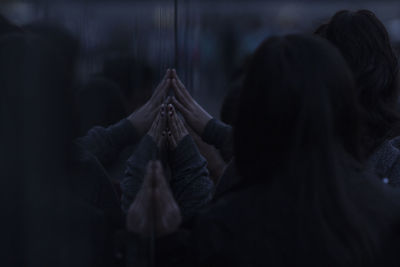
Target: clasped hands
(154,208)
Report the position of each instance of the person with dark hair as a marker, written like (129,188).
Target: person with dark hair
(304,198)
(365,44)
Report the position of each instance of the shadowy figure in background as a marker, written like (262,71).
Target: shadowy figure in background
(365,44)
(124,85)
(63,42)
(99,103)
(134,78)
(45,223)
(304,199)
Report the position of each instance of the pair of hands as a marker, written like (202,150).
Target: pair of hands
(167,127)
(153,114)
(155,210)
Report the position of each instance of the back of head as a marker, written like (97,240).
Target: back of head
(298,97)
(364,42)
(297,122)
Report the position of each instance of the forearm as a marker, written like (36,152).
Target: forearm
(190,183)
(220,135)
(215,163)
(106,143)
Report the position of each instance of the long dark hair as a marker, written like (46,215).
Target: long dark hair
(364,42)
(298,125)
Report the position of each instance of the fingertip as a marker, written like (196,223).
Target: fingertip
(149,166)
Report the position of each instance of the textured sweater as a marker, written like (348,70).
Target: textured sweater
(385,162)
(190,182)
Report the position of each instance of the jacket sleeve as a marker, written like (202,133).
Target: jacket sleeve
(190,182)
(220,135)
(106,143)
(136,167)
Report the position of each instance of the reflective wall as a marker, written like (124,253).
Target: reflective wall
(207,41)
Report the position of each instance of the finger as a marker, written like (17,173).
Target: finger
(180,130)
(162,82)
(159,127)
(180,85)
(167,100)
(153,127)
(161,142)
(161,87)
(159,175)
(163,118)
(167,75)
(175,118)
(176,77)
(149,177)
(181,126)
(185,112)
(178,92)
(178,120)
(161,92)
(172,120)
(172,141)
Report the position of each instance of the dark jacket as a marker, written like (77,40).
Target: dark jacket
(255,225)
(220,135)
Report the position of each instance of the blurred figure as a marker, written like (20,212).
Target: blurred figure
(99,103)
(365,44)
(134,78)
(43,224)
(297,148)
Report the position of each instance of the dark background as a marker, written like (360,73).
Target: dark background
(214,37)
